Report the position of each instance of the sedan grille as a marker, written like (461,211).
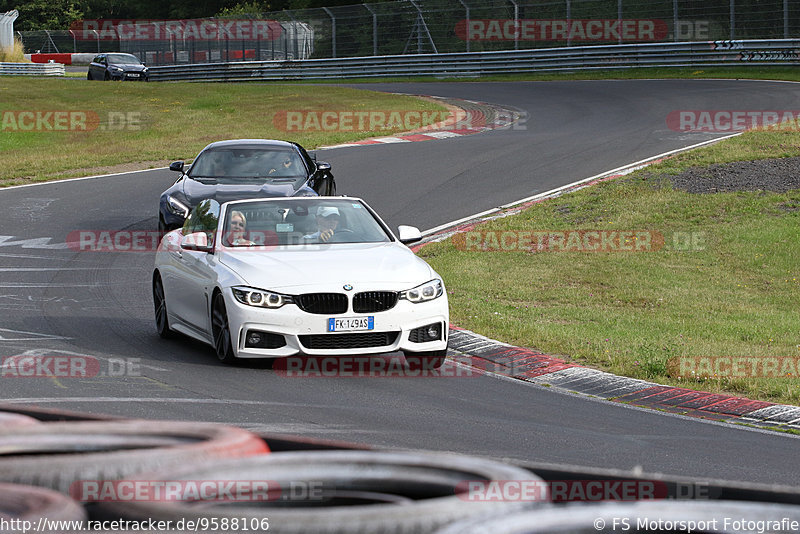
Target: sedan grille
(322,303)
(374,301)
(349,341)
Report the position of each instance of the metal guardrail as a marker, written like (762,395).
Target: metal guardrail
(32,69)
(694,54)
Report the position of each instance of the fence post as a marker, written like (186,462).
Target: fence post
(516,23)
(619,17)
(568,7)
(466,8)
(785,19)
(374,30)
(74,43)
(333,30)
(733,19)
(674,20)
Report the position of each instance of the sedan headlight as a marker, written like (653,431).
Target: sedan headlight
(260,298)
(177,207)
(425,292)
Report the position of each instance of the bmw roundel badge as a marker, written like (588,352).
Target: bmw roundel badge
(347,287)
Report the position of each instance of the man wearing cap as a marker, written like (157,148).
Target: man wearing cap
(327,221)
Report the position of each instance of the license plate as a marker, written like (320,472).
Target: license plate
(134,75)
(351,324)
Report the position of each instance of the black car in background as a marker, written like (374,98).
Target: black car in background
(239,169)
(117,66)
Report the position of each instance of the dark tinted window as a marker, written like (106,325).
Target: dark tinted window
(234,164)
(123,59)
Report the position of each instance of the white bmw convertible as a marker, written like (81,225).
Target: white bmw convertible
(269,278)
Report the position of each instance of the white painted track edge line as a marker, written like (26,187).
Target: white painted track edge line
(551,192)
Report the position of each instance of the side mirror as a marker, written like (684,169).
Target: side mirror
(196,241)
(409,234)
(176,166)
(323,166)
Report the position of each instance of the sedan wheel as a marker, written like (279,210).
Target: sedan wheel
(221,331)
(160,305)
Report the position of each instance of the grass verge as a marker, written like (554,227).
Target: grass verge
(725,283)
(119,123)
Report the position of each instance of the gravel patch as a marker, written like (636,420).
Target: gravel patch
(778,175)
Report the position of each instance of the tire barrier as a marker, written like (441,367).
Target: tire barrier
(641,516)
(333,492)
(16,420)
(56,455)
(27,503)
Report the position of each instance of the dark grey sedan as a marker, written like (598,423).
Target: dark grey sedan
(240,169)
(117,66)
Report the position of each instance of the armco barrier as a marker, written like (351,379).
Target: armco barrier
(689,54)
(32,69)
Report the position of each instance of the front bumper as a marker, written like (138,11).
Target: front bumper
(129,76)
(307,334)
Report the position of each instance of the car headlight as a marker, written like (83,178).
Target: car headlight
(177,207)
(261,298)
(116,69)
(425,292)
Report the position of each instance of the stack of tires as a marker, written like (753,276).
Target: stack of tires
(82,467)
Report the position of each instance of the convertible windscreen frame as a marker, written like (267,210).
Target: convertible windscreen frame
(292,222)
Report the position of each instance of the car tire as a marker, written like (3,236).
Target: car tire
(220,330)
(56,455)
(417,361)
(9,419)
(89,75)
(160,308)
(106,77)
(28,503)
(337,492)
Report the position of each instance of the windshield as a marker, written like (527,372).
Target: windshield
(301,222)
(123,59)
(231,165)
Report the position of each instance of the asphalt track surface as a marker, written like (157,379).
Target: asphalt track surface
(58,301)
